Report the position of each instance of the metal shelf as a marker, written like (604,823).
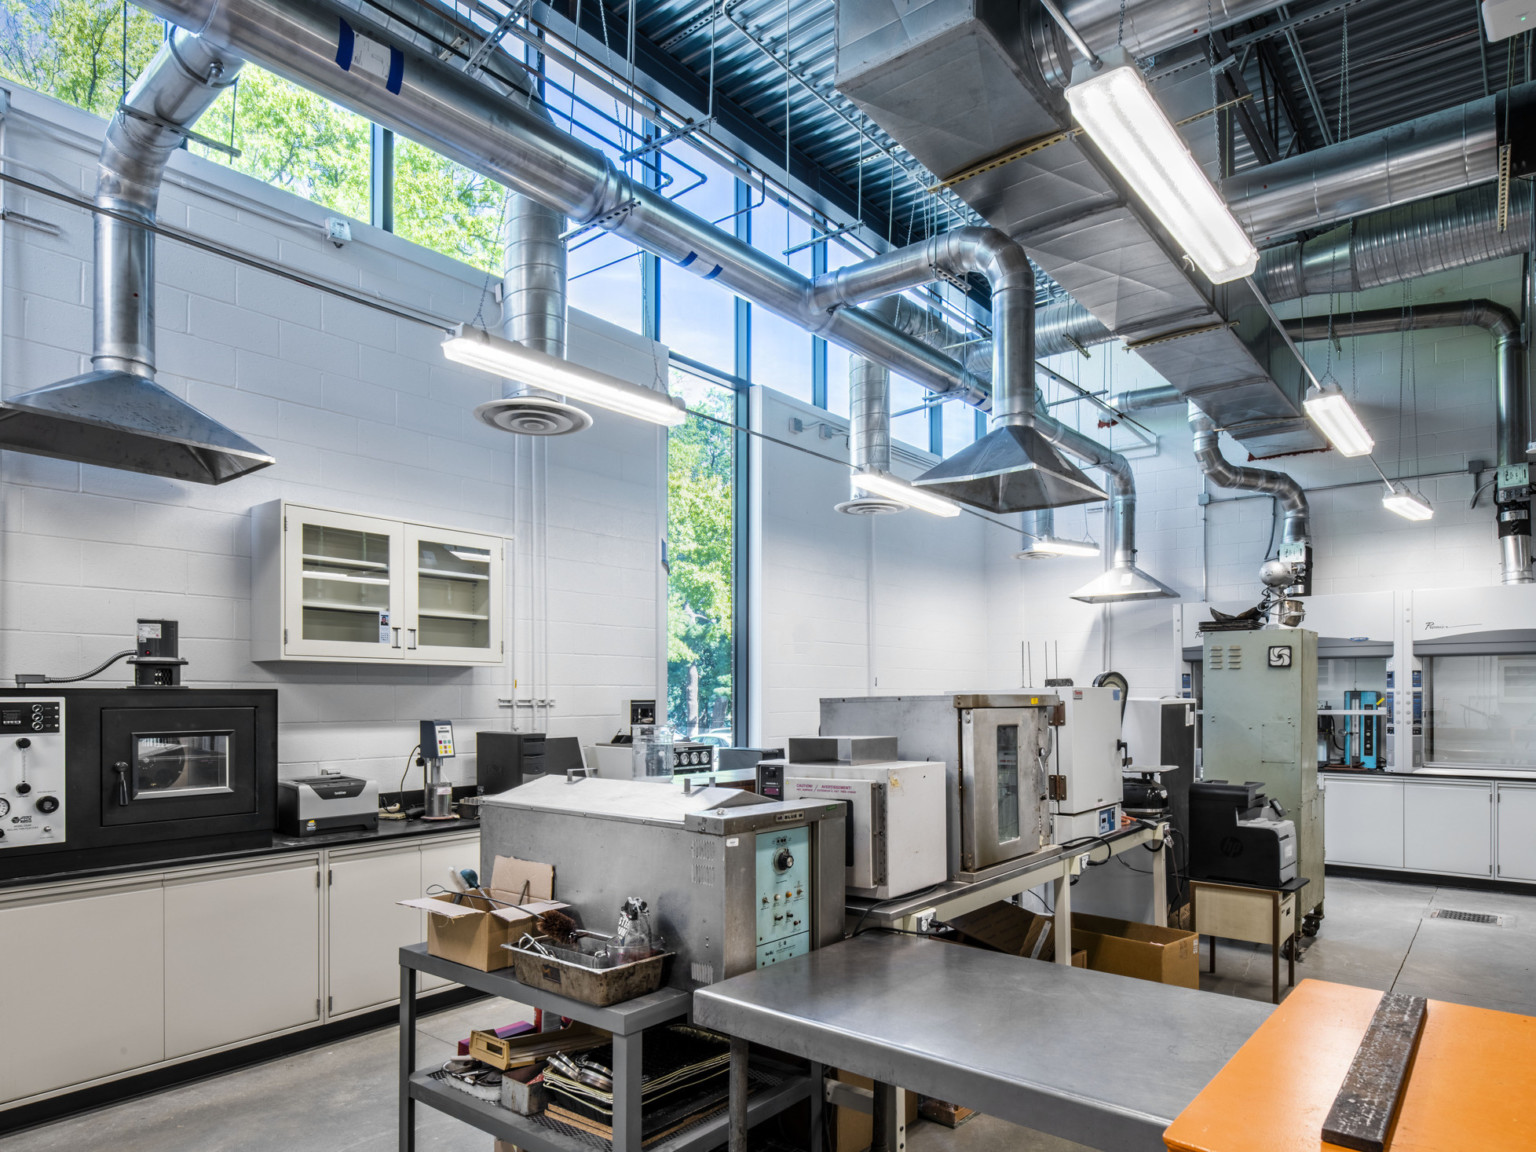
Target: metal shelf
(342,606)
(344,562)
(444,574)
(450,614)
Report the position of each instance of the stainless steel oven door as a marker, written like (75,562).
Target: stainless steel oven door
(166,764)
(1003,811)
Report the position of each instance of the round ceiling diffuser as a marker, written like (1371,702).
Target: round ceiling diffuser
(869,506)
(533,416)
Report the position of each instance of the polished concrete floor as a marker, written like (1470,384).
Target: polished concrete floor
(341,1098)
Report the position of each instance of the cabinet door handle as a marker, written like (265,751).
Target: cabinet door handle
(121,768)
(396,642)
(412,643)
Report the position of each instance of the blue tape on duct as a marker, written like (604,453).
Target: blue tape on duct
(716,272)
(688,259)
(396,71)
(344,44)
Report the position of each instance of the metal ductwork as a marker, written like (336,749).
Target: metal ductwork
(1514,511)
(1431,156)
(1143,27)
(1297,527)
(117,416)
(1014,467)
(463,118)
(869,434)
(1417,239)
(533,314)
(961,84)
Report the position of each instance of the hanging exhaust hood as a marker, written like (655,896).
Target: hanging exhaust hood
(1123,584)
(121,420)
(1013,468)
(116,416)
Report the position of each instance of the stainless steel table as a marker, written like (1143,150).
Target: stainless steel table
(1103,1060)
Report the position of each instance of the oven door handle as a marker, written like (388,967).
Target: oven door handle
(121,768)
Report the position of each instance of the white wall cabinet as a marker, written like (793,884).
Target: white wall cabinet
(242,954)
(1516,816)
(1448,827)
(334,586)
(81,995)
(1363,822)
(161,966)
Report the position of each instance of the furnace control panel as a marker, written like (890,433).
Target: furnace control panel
(783,894)
(31,772)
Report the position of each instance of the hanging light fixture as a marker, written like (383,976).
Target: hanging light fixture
(895,488)
(1336,418)
(1408,505)
(1112,102)
(478,349)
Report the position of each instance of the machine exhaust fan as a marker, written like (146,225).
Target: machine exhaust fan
(118,419)
(1011,469)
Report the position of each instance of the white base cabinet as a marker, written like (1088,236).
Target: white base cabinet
(105,978)
(1363,822)
(1448,827)
(1516,817)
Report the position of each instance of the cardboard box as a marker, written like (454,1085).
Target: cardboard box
(1143,951)
(471,930)
(856,1130)
(1005,927)
(942,1112)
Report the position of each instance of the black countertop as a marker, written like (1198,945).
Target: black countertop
(388,832)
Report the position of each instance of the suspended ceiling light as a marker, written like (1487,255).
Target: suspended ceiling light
(1336,418)
(1049,547)
(1408,505)
(1120,115)
(478,349)
(895,488)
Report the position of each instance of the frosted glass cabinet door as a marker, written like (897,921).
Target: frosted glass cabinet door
(1448,827)
(242,954)
(80,988)
(368,928)
(453,612)
(344,586)
(1363,822)
(1517,831)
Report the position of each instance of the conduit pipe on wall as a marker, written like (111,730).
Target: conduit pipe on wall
(1514,514)
(117,415)
(458,116)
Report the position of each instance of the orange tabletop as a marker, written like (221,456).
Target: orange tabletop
(1470,1087)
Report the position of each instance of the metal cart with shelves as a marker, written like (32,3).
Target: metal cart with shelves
(780,1088)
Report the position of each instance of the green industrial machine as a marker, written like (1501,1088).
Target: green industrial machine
(1259,722)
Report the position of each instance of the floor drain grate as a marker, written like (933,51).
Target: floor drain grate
(1466,917)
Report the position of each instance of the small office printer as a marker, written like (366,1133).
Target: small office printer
(1232,839)
(329,802)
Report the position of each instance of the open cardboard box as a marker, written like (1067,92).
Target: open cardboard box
(1017,931)
(1143,951)
(471,930)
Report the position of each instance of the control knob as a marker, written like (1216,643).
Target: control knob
(783,860)
(46,804)
(23,743)
(23,788)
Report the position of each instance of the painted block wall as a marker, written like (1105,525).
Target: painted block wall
(363,414)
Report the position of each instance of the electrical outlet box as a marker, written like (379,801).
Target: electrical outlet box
(1505,18)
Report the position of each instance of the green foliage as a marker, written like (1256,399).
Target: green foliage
(447,207)
(700,546)
(73,49)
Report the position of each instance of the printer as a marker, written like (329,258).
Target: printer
(329,802)
(1233,837)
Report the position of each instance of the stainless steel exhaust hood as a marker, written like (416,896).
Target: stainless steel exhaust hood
(120,420)
(1011,469)
(116,416)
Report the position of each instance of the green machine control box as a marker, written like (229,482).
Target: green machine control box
(784,895)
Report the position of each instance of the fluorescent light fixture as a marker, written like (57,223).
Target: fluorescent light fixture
(1408,505)
(895,488)
(477,349)
(1120,115)
(1046,547)
(1336,418)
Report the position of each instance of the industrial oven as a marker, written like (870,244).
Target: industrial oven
(102,776)
(734,882)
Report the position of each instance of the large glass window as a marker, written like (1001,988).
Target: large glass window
(909,412)
(781,351)
(74,49)
(292,138)
(698,317)
(447,207)
(701,535)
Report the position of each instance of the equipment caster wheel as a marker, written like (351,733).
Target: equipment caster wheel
(1310,925)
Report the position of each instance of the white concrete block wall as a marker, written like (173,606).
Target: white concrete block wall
(363,414)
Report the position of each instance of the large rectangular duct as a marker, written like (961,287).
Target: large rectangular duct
(959,83)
